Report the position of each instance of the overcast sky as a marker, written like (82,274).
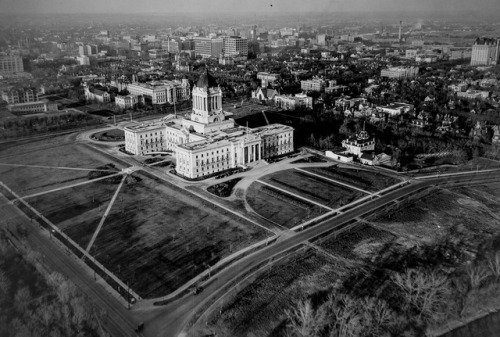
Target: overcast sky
(242,6)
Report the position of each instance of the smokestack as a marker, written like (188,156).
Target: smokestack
(400,27)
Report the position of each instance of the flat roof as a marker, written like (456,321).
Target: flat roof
(145,127)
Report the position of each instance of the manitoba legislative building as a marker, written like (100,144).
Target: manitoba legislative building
(208,141)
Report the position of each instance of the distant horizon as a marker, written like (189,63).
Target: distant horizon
(273,7)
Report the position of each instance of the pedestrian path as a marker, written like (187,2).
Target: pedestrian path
(295,195)
(56,167)
(105,214)
(71,186)
(333,181)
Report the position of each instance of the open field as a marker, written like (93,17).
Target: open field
(259,309)
(26,180)
(362,241)
(156,237)
(77,210)
(469,214)
(365,180)
(280,207)
(313,188)
(443,230)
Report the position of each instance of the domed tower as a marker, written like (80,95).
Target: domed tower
(363,135)
(207,100)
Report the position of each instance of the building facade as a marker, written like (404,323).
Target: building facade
(96,94)
(32,107)
(19,95)
(314,84)
(162,92)
(359,144)
(288,102)
(485,52)
(207,47)
(11,64)
(235,46)
(396,108)
(399,72)
(208,141)
(126,102)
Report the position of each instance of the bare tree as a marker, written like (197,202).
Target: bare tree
(424,291)
(345,314)
(304,321)
(477,274)
(494,265)
(380,315)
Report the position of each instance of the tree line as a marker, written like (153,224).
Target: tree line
(37,302)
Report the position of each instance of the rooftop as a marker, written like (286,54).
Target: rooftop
(206,80)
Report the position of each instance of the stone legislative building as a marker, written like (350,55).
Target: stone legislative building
(208,141)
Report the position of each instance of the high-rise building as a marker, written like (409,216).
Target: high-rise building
(10,64)
(82,51)
(235,46)
(214,47)
(207,47)
(187,45)
(485,52)
(321,39)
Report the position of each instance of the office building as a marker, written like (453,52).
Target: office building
(235,46)
(11,64)
(207,47)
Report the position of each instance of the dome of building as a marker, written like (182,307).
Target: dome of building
(206,81)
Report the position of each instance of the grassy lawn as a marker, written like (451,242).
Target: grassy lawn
(444,230)
(110,135)
(30,180)
(157,237)
(313,188)
(259,309)
(467,213)
(278,207)
(77,210)
(361,241)
(365,180)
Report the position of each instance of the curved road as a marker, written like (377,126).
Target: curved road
(170,320)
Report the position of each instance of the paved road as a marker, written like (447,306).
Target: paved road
(119,321)
(171,320)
